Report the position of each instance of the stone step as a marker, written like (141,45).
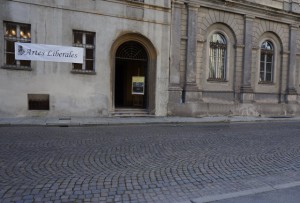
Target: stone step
(124,112)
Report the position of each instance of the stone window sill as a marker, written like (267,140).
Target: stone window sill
(84,72)
(266,83)
(13,67)
(217,80)
(136,1)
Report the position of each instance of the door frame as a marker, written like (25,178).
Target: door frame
(151,68)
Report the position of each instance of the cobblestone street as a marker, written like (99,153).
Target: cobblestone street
(145,163)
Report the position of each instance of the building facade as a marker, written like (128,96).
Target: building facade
(120,38)
(234,58)
(195,58)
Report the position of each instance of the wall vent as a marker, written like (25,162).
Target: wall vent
(38,102)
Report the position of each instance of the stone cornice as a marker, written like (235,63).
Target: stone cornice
(177,3)
(249,17)
(250,9)
(294,26)
(61,6)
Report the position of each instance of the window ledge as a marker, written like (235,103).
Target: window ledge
(85,72)
(137,1)
(266,83)
(11,67)
(216,80)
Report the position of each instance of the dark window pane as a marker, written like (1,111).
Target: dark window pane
(262,66)
(77,66)
(212,67)
(10,46)
(89,65)
(25,63)
(25,32)
(11,30)
(269,58)
(262,77)
(89,54)
(262,57)
(222,53)
(268,77)
(89,38)
(10,59)
(77,37)
(269,67)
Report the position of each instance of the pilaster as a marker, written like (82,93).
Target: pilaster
(291,93)
(175,45)
(175,89)
(191,46)
(246,88)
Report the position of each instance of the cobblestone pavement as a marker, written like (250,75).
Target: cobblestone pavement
(145,163)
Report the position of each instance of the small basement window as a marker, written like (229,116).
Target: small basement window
(38,102)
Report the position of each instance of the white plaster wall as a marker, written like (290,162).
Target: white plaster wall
(78,94)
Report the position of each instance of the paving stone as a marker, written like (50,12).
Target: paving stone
(159,163)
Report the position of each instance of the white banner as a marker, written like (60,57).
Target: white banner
(45,52)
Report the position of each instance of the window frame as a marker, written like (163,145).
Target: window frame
(219,50)
(17,38)
(84,69)
(264,54)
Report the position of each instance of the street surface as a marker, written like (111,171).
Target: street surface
(146,163)
(289,195)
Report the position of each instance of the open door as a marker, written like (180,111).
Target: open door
(131,80)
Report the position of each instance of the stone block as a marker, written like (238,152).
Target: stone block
(247,97)
(135,13)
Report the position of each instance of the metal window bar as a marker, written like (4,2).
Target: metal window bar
(85,46)
(217,61)
(131,50)
(264,61)
(16,38)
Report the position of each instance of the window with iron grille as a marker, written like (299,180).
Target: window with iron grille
(85,40)
(266,62)
(15,32)
(217,57)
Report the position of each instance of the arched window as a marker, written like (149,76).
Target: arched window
(217,57)
(266,61)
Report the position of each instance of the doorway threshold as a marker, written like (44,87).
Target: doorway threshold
(130,112)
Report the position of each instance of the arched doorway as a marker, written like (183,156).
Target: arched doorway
(136,51)
(131,71)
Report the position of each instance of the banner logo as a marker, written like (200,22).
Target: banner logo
(21,50)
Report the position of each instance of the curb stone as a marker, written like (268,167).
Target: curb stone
(208,199)
(73,122)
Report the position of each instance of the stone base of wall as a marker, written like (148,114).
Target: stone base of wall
(236,109)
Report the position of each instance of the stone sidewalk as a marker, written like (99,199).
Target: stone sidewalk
(94,121)
(276,195)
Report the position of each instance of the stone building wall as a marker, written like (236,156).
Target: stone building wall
(176,35)
(80,94)
(245,25)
